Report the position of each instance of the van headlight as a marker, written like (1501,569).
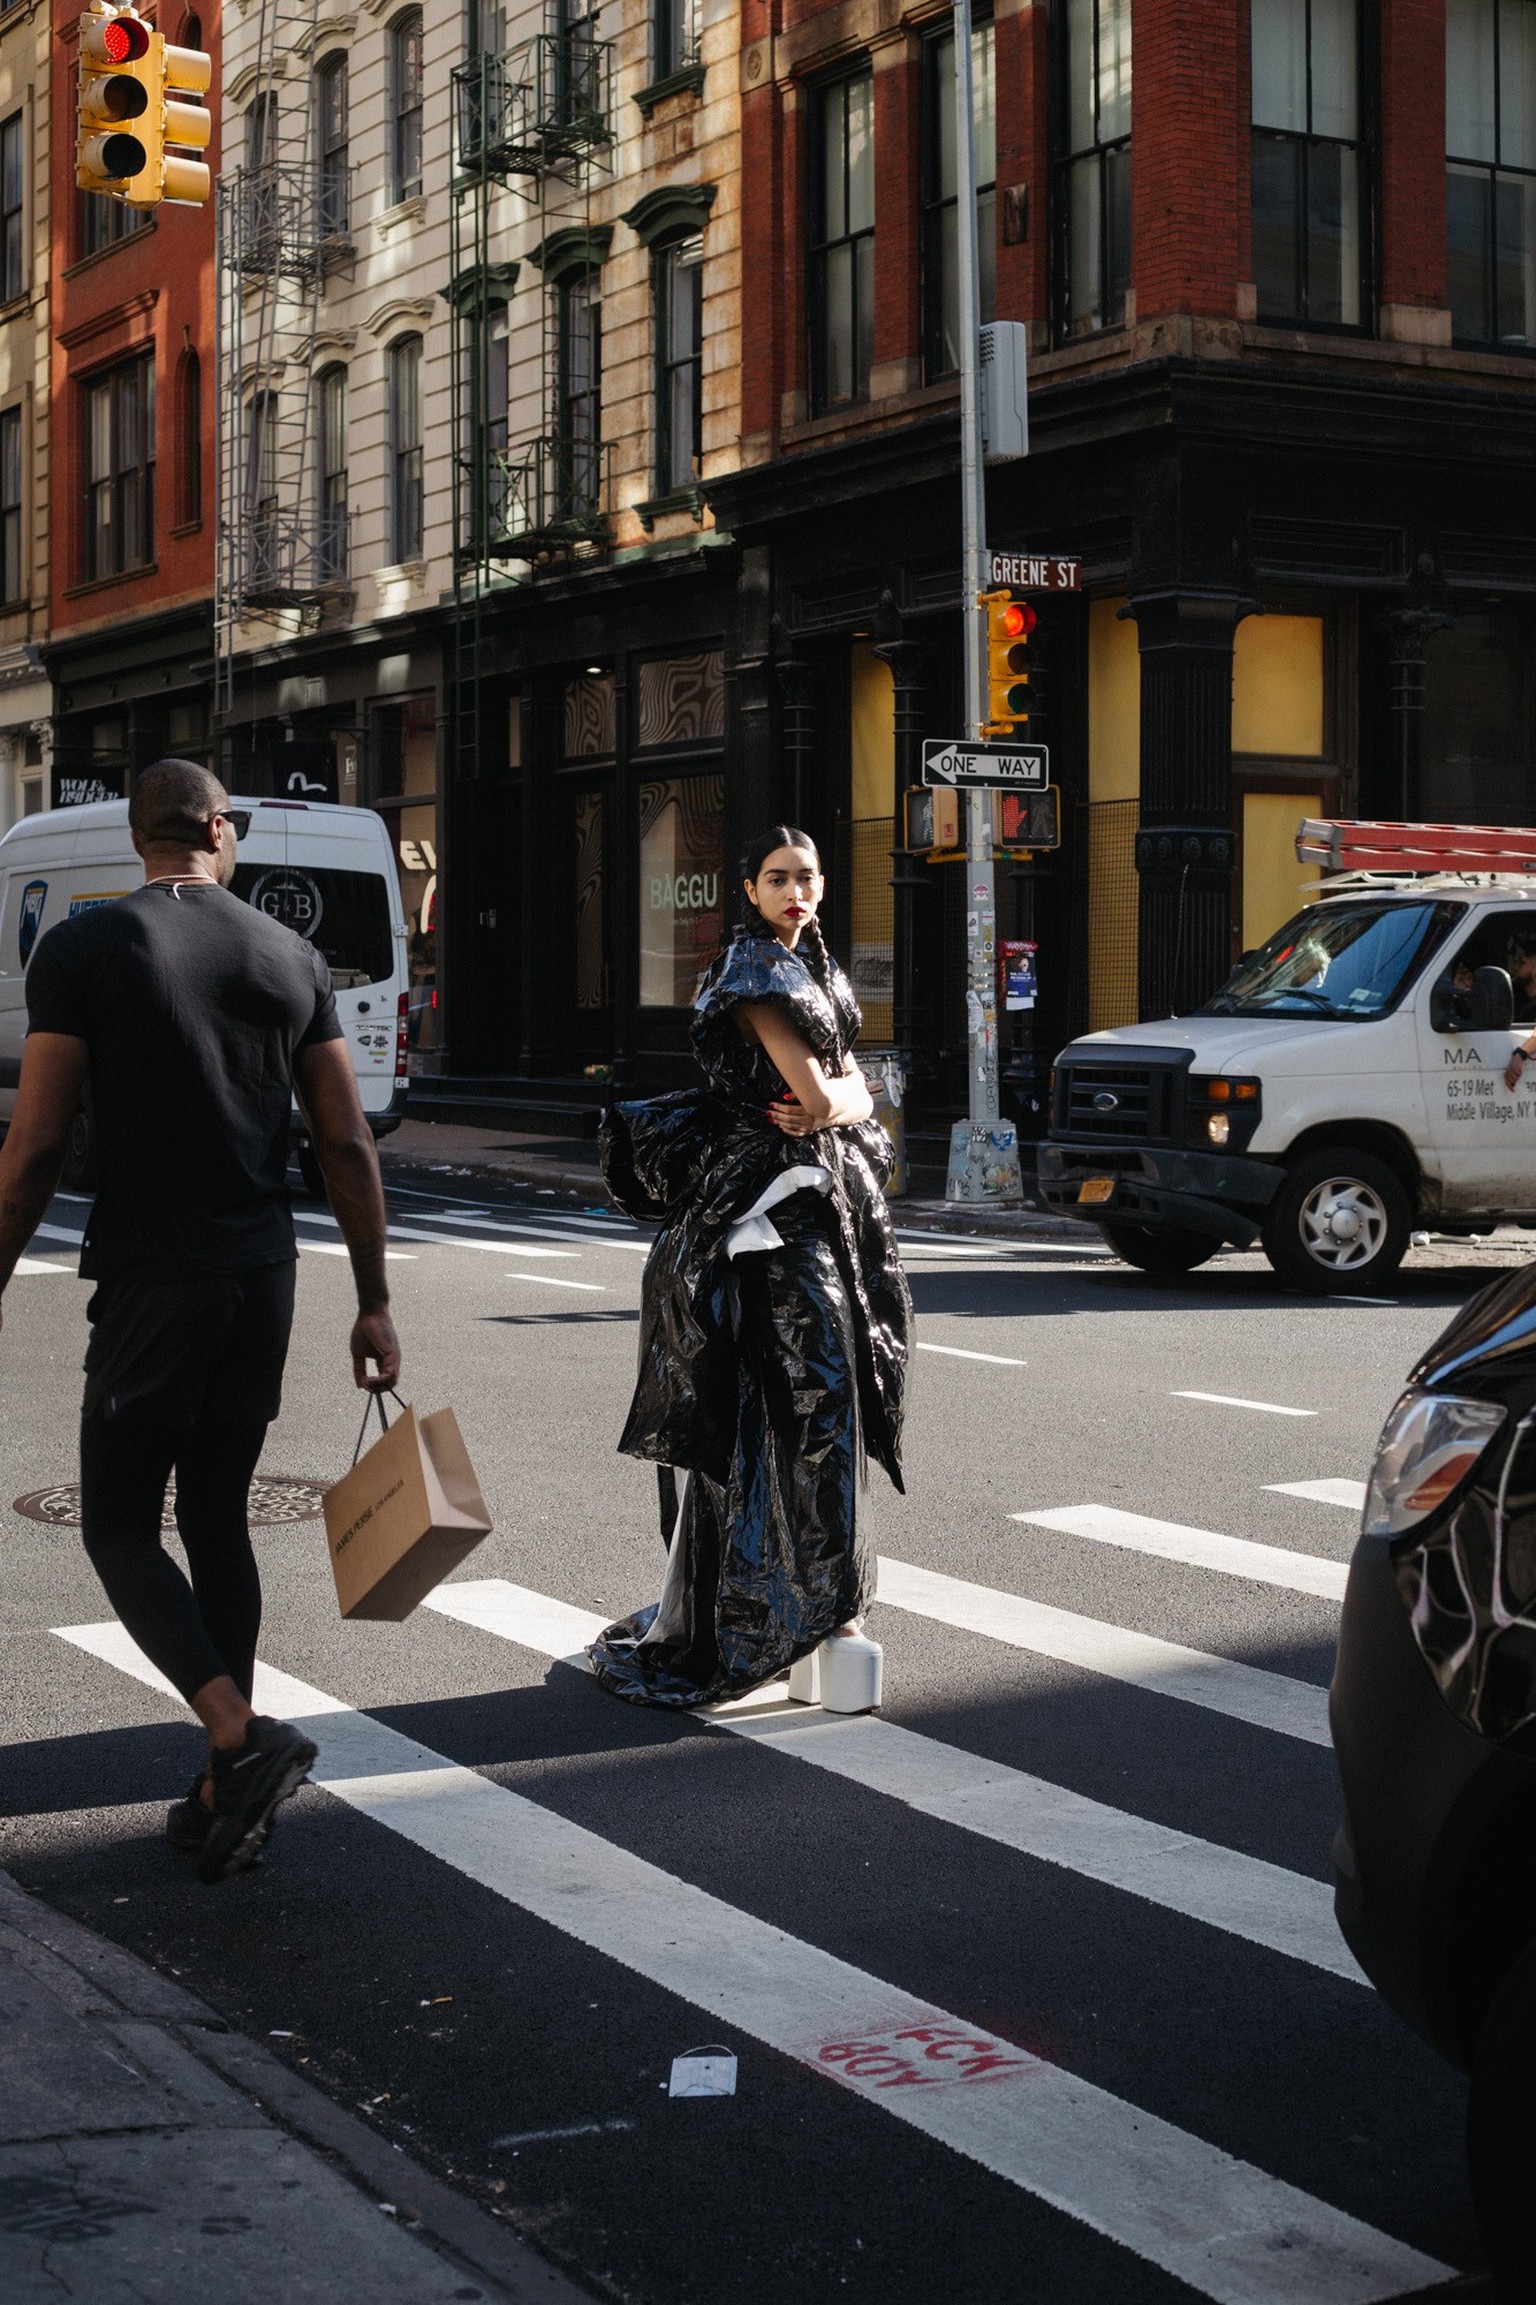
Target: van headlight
(1428,1445)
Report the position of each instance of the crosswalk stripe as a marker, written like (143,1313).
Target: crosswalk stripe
(1349,1494)
(1242,1895)
(1166,1668)
(959,1353)
(398,1232)
(28,1265)
(595,1238)
(1228,2230)
(335,1249)
(1199,1548)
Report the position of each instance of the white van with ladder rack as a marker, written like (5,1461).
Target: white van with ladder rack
(1345,1085)
(326,871)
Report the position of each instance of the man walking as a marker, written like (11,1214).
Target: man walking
(194,1019)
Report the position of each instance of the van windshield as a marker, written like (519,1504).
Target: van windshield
(344,915)
(1348,962)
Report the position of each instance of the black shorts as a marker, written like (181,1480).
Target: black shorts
(204,1350)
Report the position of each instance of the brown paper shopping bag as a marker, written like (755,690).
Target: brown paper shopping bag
(407,1513)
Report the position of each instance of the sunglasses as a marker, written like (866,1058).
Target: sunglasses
(238,820)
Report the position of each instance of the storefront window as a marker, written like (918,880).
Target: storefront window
(682,859)
(404,779)
(1478,721)
(681,699)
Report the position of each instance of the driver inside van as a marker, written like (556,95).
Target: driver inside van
(1522,975)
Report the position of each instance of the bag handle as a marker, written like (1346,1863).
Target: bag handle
(374,1401)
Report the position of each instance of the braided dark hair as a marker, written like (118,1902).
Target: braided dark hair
(811,946)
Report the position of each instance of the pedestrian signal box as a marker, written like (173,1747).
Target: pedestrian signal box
(1009,625)
(130,108)
(1020,820)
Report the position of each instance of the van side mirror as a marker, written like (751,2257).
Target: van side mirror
(1493,1000)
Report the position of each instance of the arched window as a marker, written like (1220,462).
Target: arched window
(405,104)
(331,132)
(331,471)
(405,447)
(189,439)
(191,33)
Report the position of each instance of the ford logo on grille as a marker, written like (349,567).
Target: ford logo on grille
(1106,1101)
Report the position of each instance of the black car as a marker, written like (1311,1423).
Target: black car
(1434,1725)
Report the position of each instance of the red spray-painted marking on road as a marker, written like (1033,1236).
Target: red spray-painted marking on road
(924,2056)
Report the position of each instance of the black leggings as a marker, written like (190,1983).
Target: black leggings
(194,1632)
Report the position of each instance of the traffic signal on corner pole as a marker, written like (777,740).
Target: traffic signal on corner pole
(1009,625)
(128,112)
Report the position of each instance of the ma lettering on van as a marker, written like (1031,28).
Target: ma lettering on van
(685,891)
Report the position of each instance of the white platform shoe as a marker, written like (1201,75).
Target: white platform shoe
(845,1675)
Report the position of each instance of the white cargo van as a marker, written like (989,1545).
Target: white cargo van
(1345,1085)
(325,871)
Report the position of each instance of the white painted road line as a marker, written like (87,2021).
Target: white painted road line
(1228,2230)
(48,1232)
(592,1239)
(553,1281)
(1349,1494)
(958,1353)
(1233,1401)
(335,1249)
(951,1248)
(1199,1548)
(1241,1895)
(26,1265)
(1165,1668)
(492,1248)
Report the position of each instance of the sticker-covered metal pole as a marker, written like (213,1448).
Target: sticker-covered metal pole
(983,1152)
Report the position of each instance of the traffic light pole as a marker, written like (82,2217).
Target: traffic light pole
(983,1153)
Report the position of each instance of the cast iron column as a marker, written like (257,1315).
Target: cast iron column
(797,684)
(1409,632)
(906,659)
(1184,849)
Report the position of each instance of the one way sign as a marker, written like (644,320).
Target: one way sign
(1017,767)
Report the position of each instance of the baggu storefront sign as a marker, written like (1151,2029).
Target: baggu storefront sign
(686,892)
(682,858)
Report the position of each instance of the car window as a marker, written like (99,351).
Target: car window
(344,915)
(1347,962)
(1507,940)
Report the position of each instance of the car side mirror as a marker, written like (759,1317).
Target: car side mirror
(1493,1000)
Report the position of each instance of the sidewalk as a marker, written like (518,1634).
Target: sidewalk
(150,2156)
(448,1151)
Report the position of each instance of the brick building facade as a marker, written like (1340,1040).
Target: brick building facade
(132,479)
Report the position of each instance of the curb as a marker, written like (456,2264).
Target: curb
(456,2229)
(526,1169)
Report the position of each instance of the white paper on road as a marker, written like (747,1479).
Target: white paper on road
(1166,1668)
(1242,1895)
(1349,1494)
(1199,1548)
(703,2073)
(1228,2230)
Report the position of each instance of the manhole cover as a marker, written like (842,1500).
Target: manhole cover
(276,1498)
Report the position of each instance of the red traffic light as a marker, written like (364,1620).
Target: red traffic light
(124,40)
(1018,617)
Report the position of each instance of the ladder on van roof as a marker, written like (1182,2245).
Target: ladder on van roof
(1360,845)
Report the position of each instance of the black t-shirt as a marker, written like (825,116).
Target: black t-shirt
(193,1007)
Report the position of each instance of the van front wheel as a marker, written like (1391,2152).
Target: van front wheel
(1339,1221)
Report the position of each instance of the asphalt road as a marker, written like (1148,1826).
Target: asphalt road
(1032,1983)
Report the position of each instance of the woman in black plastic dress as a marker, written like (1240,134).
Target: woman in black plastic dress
(774,1320)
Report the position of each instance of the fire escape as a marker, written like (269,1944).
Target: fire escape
(284,226)
(533,122)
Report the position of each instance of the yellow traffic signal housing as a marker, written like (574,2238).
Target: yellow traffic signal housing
(1009,625)
(129,81)
(119,91)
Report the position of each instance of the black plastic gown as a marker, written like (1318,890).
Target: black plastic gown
(767,1379)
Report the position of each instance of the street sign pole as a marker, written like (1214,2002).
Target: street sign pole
(983,1153)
